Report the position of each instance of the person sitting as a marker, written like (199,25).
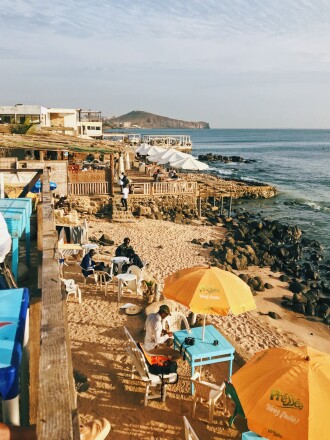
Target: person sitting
(174,175)
(156,175)
(134,259)
(156,337)
(88,265)
(122,249)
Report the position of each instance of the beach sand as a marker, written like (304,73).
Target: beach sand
(97,336)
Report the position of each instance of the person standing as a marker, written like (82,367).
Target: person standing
(125,196)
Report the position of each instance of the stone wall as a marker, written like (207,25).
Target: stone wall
(180,209)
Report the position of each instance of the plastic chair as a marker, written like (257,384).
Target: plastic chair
(91,275)
(71,289)
(135,286)
(103,279)
(151,380)
(208,392)
(175,320)
(231,392)
(189,433)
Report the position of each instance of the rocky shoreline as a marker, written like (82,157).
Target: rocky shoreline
(210,157)
(256,241)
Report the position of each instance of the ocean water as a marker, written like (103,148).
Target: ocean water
(296,162)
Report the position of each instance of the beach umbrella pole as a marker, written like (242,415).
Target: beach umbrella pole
(203,334)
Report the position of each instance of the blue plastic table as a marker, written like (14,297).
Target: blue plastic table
(14,305)
(205,352)
(252,436)
(17,213)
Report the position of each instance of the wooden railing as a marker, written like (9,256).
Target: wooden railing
(57,416)
(89,188)
(180,187)
(163,188)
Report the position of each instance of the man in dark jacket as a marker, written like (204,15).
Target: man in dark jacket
(121,250)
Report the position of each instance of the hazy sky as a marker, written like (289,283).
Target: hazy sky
(232,63)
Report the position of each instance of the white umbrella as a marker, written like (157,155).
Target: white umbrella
(141,148)
(177,155)
(127,162)
(189,163)
(158,156)
(155,150)
(121,168)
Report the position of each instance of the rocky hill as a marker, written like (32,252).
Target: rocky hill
(142,119)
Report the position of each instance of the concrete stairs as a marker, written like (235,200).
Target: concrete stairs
(118,213)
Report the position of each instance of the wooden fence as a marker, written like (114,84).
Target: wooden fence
(180,187)
(93,182)
(89,188)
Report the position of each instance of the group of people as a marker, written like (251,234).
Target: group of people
(88,265)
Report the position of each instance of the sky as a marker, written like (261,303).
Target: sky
(232,63)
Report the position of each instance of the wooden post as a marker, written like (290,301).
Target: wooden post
(221,206)
(200,207)
(213,200)
(112,175)
(230,204)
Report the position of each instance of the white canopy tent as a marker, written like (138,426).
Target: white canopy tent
(156,157)
(155,150)
(189,163)
(177,155)
(141,148)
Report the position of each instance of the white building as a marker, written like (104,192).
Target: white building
(56,120)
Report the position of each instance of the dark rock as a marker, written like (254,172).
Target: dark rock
(274,315)
(299,298)
(286,303)
(298,307)
(269,286)
(284,278)
(106,240)
(244,277)
(310,309)
(196,241)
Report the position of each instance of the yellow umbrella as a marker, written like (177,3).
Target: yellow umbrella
(285,393)
(209,290)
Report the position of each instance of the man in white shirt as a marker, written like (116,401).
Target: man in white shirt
(125,196)
(155,338)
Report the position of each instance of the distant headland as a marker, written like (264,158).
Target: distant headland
(140,119)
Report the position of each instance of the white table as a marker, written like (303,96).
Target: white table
(119,261)
(88,246)
(122,278)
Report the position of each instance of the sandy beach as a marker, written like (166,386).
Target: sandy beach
(97,336)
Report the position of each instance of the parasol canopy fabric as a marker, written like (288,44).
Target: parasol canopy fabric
(37,187)
(209,290)
(285,393)
(127,161)
(189,163)
(156,157)
(121,167)
(177,155)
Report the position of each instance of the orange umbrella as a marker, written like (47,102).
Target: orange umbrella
(285,393)
(209,290)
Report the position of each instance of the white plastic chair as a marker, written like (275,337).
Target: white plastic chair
(174,322)
(89,276)
(151,380)
(135,286)
(189,433)
(71,289)
(208,392)
(103,279)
